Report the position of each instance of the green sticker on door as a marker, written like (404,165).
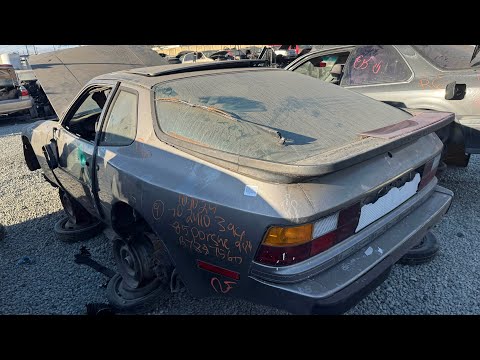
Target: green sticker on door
(81,157)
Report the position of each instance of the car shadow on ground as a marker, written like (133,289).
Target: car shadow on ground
(38,273)
(39,276)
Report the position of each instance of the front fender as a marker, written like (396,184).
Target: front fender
(34,136)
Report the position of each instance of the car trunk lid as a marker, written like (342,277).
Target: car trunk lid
(63,73)
(315,128)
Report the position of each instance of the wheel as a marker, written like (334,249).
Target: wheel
(135,261)
(70,232)
(123,298)
(2,232)
(422,253)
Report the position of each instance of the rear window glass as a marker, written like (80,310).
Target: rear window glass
(247,113)
(6,78)
(449,57)
(375,64)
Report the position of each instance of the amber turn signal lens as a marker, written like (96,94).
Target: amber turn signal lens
(288,236)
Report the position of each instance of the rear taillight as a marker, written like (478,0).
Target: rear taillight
(298,243)
(429,171)
(24,91)
(289,245)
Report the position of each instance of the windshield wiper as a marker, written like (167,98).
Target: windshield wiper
(281,140)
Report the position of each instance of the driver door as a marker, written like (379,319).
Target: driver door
(75,140)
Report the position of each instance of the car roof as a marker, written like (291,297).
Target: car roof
(152,75)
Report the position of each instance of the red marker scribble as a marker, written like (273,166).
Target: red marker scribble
(435,86)
(424,82)
(221,288)
(357,60)
(376,68)
(363,62)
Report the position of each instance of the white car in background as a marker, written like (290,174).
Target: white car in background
(195,57)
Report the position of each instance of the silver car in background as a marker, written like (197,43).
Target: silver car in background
(421,77)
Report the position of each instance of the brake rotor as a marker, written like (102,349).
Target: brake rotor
(134,261)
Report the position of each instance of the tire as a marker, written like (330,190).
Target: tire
(2,232)
(76,233)
(124,299)
(422,253)
(142,259)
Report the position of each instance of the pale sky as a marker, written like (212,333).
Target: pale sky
(22,49)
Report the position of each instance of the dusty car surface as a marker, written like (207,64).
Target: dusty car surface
(424,77)
(281,189)
(14,97)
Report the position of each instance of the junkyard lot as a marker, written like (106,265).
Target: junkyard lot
(49,282)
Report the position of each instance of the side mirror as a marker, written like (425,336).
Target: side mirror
(50,151)
(455,91)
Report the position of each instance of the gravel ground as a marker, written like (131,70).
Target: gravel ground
(38,275)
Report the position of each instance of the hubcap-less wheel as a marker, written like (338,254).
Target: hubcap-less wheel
(134,261)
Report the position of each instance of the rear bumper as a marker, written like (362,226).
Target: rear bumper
(341,286)
(11,106)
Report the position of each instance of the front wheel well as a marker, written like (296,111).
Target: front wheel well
(29,155)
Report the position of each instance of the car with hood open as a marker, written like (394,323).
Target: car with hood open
(242,180)
(417,77)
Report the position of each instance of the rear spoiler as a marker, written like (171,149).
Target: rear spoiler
(425,121)
(369,144)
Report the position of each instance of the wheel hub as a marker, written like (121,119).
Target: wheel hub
(134,262)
